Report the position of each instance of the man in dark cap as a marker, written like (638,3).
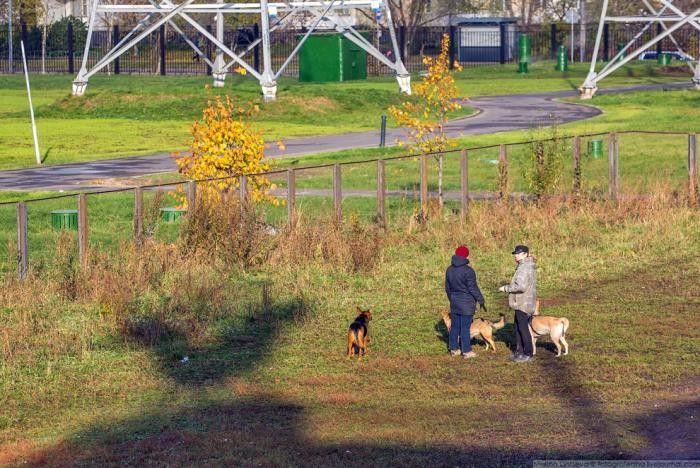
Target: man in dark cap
(464,294)
(522,295)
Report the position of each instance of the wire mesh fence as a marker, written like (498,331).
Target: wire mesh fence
(169,51)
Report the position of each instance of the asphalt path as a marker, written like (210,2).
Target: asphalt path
(495,114)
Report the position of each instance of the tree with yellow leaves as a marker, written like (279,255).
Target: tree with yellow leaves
(425,115)
(224,146)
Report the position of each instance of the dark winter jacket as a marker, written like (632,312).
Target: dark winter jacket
(461,287)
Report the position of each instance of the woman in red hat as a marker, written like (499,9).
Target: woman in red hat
(464,294)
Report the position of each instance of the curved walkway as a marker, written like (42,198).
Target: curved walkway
(497,114)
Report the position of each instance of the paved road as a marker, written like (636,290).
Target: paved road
(496,114)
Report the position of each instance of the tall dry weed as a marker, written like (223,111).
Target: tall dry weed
(354,246)
(217,228)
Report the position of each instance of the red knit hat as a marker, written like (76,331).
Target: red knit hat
(462,251)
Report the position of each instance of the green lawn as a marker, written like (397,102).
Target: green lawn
(266,382)
(138,115)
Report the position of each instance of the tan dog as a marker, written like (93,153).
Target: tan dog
(358,333)
(479,326)
(556,327)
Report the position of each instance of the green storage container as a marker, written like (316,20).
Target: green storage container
(64,219)
(525,48)
(562,59)
(595,149)
(170,215)
(331,57)
(620,46)
(663,59)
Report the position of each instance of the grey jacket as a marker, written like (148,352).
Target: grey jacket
(523,287)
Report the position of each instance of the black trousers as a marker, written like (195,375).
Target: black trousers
(523,339)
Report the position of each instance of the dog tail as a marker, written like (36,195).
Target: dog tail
(537,307)
(565,325)
(500,323)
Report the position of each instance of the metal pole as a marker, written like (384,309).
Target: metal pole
(218,71)
(582,33)
(31,108)
(573,33)
(9,27)
(382,133)
(267,82)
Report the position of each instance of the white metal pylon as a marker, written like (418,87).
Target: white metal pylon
(154,14)
(670,17)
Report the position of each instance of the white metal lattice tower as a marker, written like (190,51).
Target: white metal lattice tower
(661,12)
(153,14)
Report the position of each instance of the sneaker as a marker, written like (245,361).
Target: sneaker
(470,354)
(454,352)
(523,358)
(516,356)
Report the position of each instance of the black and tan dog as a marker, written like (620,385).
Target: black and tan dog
(358,333)
(479,326)
(556,327)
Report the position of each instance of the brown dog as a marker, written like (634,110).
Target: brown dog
(358,333)
(479,326)
(556,327)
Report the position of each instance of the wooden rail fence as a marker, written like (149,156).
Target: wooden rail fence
(337,192)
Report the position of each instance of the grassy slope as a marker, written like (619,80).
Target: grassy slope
(272,388)
(136,115)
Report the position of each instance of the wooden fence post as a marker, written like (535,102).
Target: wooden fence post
(243,192)
(692,168)
(424,184)
(503,182)
(576,148)
(464,182)
(613,174)
(381,194)
(23,252)
(191,195)
(337,194)
(291,197)
(82,229)
(138,215)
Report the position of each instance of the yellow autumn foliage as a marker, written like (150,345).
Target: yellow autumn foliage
(225,146)
(433,98)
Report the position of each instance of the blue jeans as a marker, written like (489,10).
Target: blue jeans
(460,332)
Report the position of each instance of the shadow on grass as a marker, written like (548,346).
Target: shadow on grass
(271,432)
(240,341)
(267,432)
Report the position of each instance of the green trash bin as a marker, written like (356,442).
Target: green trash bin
(64,219)
(562,59)
(620,46)
(663,59)
(170,215)
(525,48)
(595,149)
